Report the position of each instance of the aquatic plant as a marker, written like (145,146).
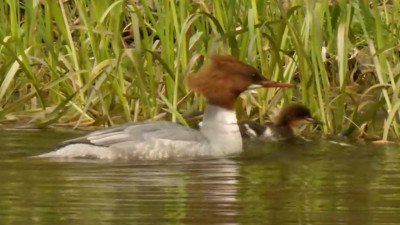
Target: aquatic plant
(104,62)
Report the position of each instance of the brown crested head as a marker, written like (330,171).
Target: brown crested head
(293,115)
(225,77)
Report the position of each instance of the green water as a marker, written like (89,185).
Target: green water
(277,183)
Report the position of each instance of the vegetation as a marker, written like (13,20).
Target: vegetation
(92,62)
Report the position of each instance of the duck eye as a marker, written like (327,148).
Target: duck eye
(255,76)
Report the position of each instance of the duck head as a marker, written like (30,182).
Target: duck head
(294,115)
(225,77)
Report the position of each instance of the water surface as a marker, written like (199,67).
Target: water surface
(314,182)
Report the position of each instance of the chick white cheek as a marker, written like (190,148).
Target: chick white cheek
(298,122)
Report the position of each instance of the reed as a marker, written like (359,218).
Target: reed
(91,62)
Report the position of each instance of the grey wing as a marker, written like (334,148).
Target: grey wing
(140,132)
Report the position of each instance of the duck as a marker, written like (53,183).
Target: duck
(220,81)
(289,117)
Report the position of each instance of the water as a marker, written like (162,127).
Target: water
(277,183)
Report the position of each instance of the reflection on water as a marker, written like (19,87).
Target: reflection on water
(274,183)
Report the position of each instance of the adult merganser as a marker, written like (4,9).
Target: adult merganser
(287,120)
(220,82)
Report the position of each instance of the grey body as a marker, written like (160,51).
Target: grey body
(158,140)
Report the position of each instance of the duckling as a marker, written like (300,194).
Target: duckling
(288,119)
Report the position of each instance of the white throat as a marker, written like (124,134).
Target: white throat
(220,127)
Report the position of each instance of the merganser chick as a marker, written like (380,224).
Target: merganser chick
(221,82)
(287,120)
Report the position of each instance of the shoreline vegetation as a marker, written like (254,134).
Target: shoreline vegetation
(94,63)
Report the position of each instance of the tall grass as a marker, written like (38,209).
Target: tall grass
(94,62)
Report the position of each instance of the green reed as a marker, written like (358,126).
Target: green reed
(94,62)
